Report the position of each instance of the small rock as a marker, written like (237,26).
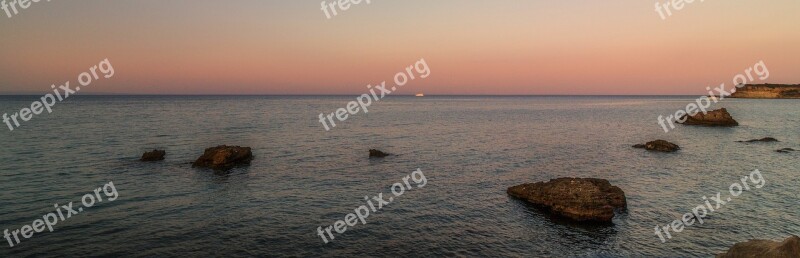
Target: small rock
(224,157)
(581,199)
(719,117)
(767,139)
(659,145)
(373,153)
(765,248)
(786,150)
(155,155)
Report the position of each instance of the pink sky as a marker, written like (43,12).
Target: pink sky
(472,47)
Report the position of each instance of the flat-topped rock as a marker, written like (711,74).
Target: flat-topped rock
(580,199)
(224,157)
(155,155)
(719,117)
(789,248)
(659,145)
(766,139)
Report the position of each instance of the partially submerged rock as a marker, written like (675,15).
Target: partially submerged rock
(719,117)
(224,157)
(765,248)
(766,139)
(659,145)
(155,155)
(373,153)
(786,150)
(580,199)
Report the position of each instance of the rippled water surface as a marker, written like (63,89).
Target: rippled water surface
(469,148)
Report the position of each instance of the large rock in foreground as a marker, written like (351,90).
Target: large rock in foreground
(719,117)
(155,155)
(581,199)
(765,248)
(224,157)
(659,145)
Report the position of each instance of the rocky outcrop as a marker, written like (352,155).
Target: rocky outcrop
(765,248)
(768,91)
(224,157)
(786,150)
(580,199)
(767,139)
(719,117)
(373,153)
(659,145)
(155,155)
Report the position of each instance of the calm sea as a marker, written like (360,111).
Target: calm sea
(470,149)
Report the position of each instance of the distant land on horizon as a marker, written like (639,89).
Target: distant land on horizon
(763,91)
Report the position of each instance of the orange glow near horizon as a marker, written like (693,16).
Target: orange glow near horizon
(472,47)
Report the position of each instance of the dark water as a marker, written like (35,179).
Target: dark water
(469,148)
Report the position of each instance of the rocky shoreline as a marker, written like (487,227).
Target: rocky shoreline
(768,91)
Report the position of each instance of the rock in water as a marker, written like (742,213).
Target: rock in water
(719,117)
(224,157)
(155,155)
(581,199)
(373,153)
(767,139)
(765,248)
(659,145)
(786,150)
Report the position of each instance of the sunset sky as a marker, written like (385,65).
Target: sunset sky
(472,47)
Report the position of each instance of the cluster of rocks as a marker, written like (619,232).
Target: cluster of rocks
(770,139)
(222,157)
(225,157)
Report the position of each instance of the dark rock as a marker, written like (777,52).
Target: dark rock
(659,145)
(765,248)
(786,150)
(767,139)
(155,155)
(719,117)
(373,153)
(224,157)
(581,199)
